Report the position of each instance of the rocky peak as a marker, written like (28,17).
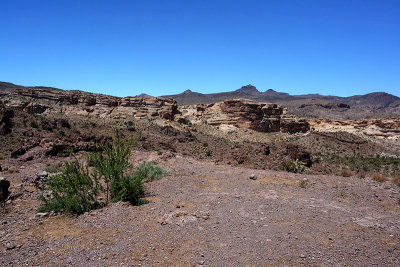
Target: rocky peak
(271,91)
(188,91)
(249,89)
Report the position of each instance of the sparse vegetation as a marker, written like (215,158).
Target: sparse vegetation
(66,152)
(303,184)
(379,178)
(359,163)
(53,168)
(293,166)
(346,172)
(77,189)
(396,180)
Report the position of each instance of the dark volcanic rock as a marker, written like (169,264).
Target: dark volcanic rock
(297,153)
(4,186)
(5,119)
(294,126)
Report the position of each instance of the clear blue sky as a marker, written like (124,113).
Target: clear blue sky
(164,47)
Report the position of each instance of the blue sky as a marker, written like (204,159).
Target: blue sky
(165,47)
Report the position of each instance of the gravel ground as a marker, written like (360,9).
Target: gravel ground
(216,215)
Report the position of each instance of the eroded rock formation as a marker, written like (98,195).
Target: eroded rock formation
(40,101)
(243,113)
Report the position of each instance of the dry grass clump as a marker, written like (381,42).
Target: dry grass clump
(346,173)
(379,178)
(396,180)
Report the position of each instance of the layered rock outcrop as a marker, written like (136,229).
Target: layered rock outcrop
(243,113)
(86,104)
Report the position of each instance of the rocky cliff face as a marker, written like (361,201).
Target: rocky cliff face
(262,117)
(38,101)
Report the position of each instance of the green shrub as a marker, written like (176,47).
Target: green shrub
(293,166)
(75,190)
(33,124)
(112,164)
(148,171)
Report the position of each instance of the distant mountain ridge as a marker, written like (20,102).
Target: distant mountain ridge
(377,104)
(372,105)
(377,99)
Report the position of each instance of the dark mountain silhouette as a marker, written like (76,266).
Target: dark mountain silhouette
(6,87)
(378,104)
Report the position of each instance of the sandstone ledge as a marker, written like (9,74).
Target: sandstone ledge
(38,101)
(243,113)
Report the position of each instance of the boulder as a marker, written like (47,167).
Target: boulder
(4,186)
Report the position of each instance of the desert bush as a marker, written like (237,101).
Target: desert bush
(148,171)
(53,168)
(111,164)
(76,190)
(346,172)
(293,166)
(379,178)
(396,180)
(303,184)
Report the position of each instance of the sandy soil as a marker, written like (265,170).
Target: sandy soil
(215,215)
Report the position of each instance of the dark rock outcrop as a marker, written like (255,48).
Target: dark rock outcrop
(5,119)
(295,152)
(4,186)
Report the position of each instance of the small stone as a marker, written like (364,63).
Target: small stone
(42,174)
(303,256)
(41,214)
(10,245)
(201,262)
(253,176)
